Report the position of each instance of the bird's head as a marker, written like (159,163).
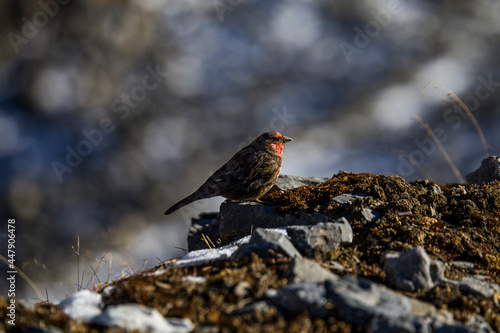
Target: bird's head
(273,141)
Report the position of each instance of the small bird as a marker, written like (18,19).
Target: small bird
(248,175)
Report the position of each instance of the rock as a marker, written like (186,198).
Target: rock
(392,325)
(286,182)
(324,236)
(243,217)
(302,270)
(476,324)
(475,286)
(297,297)
(348,199)
(488,171)
(205,225)
(467,265)
(198,257)
(412,270)
(82,305)
(371,215)
(422,309)
(139,317)
(266,243)
(358,300)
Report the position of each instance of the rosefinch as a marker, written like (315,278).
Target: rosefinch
(249,174)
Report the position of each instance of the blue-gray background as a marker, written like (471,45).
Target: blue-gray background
(154,95)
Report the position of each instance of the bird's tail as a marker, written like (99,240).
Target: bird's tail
(199,194)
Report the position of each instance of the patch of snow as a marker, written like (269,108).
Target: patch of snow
(206,255)
(82,305)
(194,279)
(140,317)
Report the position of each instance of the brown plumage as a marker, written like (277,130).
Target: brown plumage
(248,175)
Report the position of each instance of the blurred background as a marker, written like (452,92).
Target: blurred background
(111,111)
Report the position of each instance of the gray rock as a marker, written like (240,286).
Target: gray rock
(475,286)
(297,297)
(322,236)
(266,243)
(348,199)
(488,171)
(476,325)
(463,264)
(286,182)
(358,300)
(302,270)
(412,270)
(139,317)
(371,215)
(392,325)
(206,225)
(243,217)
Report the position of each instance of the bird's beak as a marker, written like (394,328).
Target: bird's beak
(286,139)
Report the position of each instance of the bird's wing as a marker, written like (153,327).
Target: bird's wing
(242,167)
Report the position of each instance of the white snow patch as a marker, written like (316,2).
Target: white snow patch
(140,317)
(206,255)
(82,305)
(194,279)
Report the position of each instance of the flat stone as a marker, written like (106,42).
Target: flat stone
(358,300)
(243,217)
(266,243)
(371,215)
(475,286)
(301,270)
(488,171)
(286,182)
(139,317)
(463,264)
(324,236)
(348,199)
(475,325)
(393,325)
(412,270)
(297,297)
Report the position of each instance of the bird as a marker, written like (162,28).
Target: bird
(248,175)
